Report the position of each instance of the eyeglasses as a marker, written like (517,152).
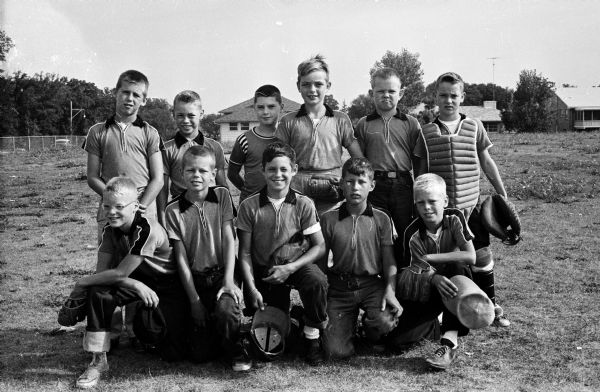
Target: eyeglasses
(118,207)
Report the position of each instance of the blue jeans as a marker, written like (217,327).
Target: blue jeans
(347,294)
(395,195)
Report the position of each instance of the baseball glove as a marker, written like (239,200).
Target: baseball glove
(290,251)
(499,216)
(414,284)
(74,309)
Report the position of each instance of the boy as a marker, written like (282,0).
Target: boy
(393,143)
(126,145)
(187,111)
(363,274)
(275,217)
(317,134)
(458,147)
(134,264)
(249,146)
(438,238)
(199,223)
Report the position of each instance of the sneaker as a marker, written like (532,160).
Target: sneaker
(314,352)
(241,363)
(442,357)
(91,376)
(500,320)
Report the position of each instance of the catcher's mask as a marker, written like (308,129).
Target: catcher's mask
(270,327)
(500,218)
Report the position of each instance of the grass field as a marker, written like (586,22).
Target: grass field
(549,286)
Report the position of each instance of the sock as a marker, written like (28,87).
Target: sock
(99,358)
(450,339)
(310,332)
(485,281)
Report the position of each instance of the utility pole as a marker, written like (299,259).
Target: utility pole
(493,76)
(72,116)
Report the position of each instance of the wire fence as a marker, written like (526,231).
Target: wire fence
(31,143)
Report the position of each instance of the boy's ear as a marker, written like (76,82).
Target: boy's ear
(371,92)
(294,169)
(372,185)
(401,93)
(445,201)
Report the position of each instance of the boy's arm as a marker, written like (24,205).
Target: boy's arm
(279,273)
(197,309)
(104,261)
(93,174)
(466,255)
(220,178)
(445,287)
(491,171)
(419,165)
(354,150)
(233,173)
(390,272)
(156,170)
(228,252)
(161,201)
(245,264)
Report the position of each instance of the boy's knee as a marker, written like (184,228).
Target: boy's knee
(379,323)
(317,282)
(336,344)
(227,310)
(484,260)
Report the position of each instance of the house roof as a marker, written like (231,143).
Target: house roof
(244,111)
(580,97)
(484,114)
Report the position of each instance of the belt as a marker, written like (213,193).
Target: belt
(391,174)
(351,281)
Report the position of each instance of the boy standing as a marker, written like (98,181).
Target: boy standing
(438,239)
(249,146)
(270,219)
(125,145)
(200,227)
(458,148)
(393,143)
(363,274)
(134,264)
(317,134)
(187,111)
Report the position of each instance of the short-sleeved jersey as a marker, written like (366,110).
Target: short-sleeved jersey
(146,238)
(198,226)
(270,228)
(482,141)
(389,144)
(247,152)
(124,152)
(173,156)
(357,241)
(454,233)
(318,146)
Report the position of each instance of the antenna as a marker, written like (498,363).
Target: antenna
(493,76)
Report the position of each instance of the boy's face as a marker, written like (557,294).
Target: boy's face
(187,117)
(313,87)
(356,188)
(278,173)
(130,97)
(430,205)
(386,93)
(119,209)
(267,110)
(198,173)
(448,98)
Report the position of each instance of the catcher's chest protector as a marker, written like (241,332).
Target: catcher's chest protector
(454,158)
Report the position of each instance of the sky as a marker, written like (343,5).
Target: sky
(225,49)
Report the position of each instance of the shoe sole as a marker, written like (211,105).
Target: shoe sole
(241,367)
(87,384)
(436,366)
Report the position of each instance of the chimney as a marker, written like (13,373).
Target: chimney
(489,104)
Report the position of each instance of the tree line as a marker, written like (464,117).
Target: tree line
(41,104)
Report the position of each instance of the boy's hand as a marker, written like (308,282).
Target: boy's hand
(445,287)
(389,299)
(278,274)
(232,290)
(147,295)
(256,299)
(198,313)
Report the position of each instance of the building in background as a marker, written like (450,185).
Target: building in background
(577,109)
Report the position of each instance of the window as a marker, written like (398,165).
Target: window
(233,127)
(492,127)
(245,126)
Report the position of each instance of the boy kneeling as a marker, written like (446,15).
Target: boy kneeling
(363,274)
(134,264)
(270,219)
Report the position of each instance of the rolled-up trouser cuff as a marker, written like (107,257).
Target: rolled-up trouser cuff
(96,342)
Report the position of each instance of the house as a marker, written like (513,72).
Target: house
(577,109)
(241,117)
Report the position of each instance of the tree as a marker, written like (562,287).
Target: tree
(157,112)
(209,128)
(360,106)
(531,104)
(6,45)
(407,64)
(332,102)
